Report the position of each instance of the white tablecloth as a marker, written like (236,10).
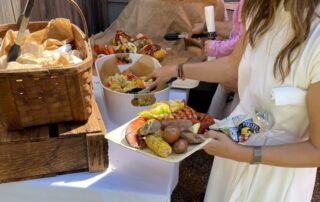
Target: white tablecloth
(130,177)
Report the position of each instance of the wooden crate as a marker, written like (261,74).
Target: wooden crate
(53,149)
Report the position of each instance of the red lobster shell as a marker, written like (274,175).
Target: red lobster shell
(132,136)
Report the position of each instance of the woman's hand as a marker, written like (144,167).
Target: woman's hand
(221,145)
(162,75)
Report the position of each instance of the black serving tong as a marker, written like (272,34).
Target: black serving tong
(22,23)
(173,36)
(135,90)
(148,90)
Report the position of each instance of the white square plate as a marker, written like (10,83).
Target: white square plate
(118,136)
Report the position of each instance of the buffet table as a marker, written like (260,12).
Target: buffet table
(129,177)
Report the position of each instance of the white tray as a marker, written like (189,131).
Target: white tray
(118,136)
(185,84)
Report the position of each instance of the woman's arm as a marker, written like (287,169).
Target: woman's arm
(223,70)
(304,154)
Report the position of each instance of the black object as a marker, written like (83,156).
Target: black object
(14,52)
(230,97)
(171,80)
(22,23)
(134,90)
(173,36)
(200,97)
(201,35)
(212,36)
(146,90)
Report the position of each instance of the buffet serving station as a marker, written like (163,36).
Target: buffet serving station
(73,161)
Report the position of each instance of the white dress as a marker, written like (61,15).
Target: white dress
(234,181)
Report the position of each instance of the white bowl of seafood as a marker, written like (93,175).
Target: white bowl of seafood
(123,78)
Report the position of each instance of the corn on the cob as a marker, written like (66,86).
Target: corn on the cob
(158,145)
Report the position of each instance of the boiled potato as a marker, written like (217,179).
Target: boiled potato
(171,134)
(180,146)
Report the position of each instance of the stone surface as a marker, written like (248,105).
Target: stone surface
(193,178)
(316,192)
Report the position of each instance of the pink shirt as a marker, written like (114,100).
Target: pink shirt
(225,47)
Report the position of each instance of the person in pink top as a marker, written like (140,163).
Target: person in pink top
(224,99)
(220,48)
(229,31)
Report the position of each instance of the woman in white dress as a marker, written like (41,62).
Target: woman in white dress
(279,51)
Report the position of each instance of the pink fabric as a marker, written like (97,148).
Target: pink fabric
(225,47)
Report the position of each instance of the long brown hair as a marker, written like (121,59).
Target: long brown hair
(262,13)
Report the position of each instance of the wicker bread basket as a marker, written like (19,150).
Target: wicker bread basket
(47,95)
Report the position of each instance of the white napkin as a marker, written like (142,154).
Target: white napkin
(32,48)
(65,48)
(288,96)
